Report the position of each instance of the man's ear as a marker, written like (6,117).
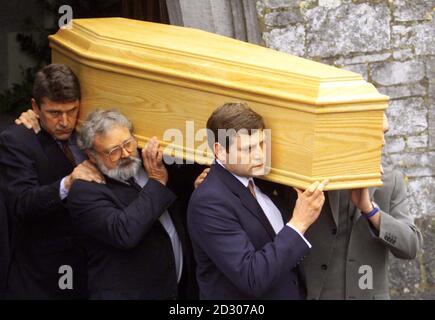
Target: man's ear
(35,107)
(219,152)
(91,156)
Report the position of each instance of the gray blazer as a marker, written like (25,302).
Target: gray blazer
(366,246)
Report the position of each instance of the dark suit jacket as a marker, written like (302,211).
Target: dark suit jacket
(42,237)
(4,245)
(130,254)
(237,252)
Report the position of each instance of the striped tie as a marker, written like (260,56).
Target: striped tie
(67,151)
(251,188)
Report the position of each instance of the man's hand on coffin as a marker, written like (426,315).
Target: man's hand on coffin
(308,206)
(84,171)
(153,162)
(361,199)
(201,177)
(30,120)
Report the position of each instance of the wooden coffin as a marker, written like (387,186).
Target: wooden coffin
(325,122)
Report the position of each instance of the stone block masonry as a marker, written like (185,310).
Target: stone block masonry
(391,43)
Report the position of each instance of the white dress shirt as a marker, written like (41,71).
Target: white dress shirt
(269,208)
(166,220)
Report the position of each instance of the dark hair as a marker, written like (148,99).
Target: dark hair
(56,82)
(232,117)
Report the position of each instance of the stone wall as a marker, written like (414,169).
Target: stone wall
(391,43)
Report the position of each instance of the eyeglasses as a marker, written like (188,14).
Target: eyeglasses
(115,153)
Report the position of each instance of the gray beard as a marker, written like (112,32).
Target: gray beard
(123,171)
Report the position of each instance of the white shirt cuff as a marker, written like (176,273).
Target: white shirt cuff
(306,241)
(63,192)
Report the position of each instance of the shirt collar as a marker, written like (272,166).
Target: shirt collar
(243,180)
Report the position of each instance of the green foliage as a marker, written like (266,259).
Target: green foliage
(17,98)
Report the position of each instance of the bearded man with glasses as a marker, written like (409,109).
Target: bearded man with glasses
(132,226)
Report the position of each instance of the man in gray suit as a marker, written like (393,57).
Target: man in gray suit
(353,237)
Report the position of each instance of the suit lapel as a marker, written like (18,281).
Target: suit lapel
(123,192)
(246,198)
(126,194)
(334,203)
(284,199)
(334,198)
(252,205)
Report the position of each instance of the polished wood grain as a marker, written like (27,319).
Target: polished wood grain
(325,122)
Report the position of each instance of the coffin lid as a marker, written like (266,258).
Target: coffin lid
(189,56)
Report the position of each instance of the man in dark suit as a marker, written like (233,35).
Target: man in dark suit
(246,244)
(36,171)
(133,224)
(4,245)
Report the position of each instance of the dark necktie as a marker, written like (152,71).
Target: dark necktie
(67,151)
(131,181)
(251,188)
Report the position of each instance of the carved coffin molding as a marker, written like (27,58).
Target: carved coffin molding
(325,122)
